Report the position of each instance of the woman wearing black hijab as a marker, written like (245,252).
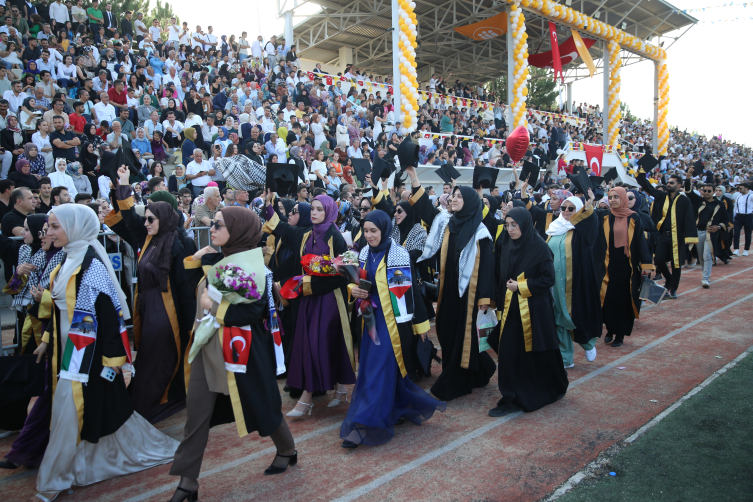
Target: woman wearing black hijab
(408,232)
(531,372)
(225,391)
(164,304)
(465,287)
(385,396)
(493,225)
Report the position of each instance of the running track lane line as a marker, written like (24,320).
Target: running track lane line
(359,492)
(451,446)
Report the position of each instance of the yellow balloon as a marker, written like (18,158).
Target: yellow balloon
(525,91)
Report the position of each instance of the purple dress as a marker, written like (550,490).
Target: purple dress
(319,358)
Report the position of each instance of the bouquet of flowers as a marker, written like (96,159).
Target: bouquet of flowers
(348,266)
(232,279)
(318,265)
(234,284)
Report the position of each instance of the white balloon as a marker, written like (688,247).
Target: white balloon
(412,113)
(412,5)
(403,131)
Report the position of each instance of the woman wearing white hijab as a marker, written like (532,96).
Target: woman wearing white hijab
(94,433)
(571,238)
(60,178)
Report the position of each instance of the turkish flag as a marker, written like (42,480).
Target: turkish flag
(594,157)
(360,82)
(568,54)
(389,89)
(329,80)
(311,75)
(236,344)
(556,61)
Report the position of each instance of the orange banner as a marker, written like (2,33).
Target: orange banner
(583,51)
(494,27)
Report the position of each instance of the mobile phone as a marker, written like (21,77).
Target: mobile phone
(108,374)
(364,284)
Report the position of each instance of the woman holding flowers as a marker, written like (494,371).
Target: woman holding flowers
(322,356)
(233,372)
(386,396)
(163,303)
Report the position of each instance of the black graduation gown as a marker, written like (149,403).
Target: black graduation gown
(531,373)
(719,217)
(620,276)
(682,208)
(542,216)
(159,388)
(452,316)
(256,389)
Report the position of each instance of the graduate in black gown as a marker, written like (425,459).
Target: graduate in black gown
(621,255)
(462,240)
(531,372)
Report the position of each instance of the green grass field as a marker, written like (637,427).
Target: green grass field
(702,451)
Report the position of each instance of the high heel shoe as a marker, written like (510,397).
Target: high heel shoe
(272,469)
(295,413)
(337,400)
(190,496)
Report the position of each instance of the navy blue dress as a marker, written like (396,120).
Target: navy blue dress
(381,396)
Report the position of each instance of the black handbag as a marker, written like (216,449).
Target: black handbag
(429,290)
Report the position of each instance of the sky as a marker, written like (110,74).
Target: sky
(710,70)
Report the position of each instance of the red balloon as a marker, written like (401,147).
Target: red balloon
(517,143)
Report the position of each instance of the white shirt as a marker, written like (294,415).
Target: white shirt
(105,112)
(184,38)
(59,12)
(270,48)
(140,28)
(155,32)
(194,43)
(173,33)
(243,45)
(104,186)
(210,38)
(177,126)
(208,132)
(194,168)
(744,204)
(256,49)
(14,101)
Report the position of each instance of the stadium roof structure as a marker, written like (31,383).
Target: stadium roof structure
(365,27)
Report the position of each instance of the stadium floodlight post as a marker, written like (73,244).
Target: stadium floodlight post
(396,99)
(509,117)
(655,125)
(605,110)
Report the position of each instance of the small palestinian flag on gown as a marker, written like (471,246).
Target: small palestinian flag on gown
(399,282)
(79,349)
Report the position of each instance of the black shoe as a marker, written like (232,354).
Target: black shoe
(187,495)
(617,342)
(295,393)
(272,469)
(671,295)
(286,388)
(282,376)
(319,393)
(400,421)
(7,464)
(657,277)
(501,411)
(350,445)
(608,338)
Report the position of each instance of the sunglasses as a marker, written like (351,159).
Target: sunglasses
(364,209)
(216,225)
(568,209)
(294,211)
(399,211)
(151,219)
(631,198)
(42,234)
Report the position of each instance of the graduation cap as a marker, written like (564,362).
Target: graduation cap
(610,175)
(530,173)
(425,351)
(381,169)
(698,167)
(407,154)
(596,182)
(484,177)
(652,292)
(111,162)
(362,167)
(582,182)
(647,162)
(282,178)
(448,173)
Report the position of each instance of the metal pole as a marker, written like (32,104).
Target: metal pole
(655,141)
(570,97)
(289,29)
(396,100)
(510,72)
(605,110)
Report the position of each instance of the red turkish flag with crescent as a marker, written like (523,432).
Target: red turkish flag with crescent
(311,75)
(389,89)
(594,157)
(236,343)
(329,80)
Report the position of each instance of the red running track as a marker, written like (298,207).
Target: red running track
(463,454)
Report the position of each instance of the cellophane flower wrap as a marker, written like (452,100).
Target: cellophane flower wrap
(348,266)
(237,279)
(318,265)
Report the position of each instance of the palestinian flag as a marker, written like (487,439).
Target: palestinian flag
(400,282)
(79,348)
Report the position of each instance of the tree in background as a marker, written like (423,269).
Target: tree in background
(626,113)
(162,11)
(542,89)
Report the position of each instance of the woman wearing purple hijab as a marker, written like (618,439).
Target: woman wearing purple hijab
(322,354)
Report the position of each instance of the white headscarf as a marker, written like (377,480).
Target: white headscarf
(561,225)
(81,225)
